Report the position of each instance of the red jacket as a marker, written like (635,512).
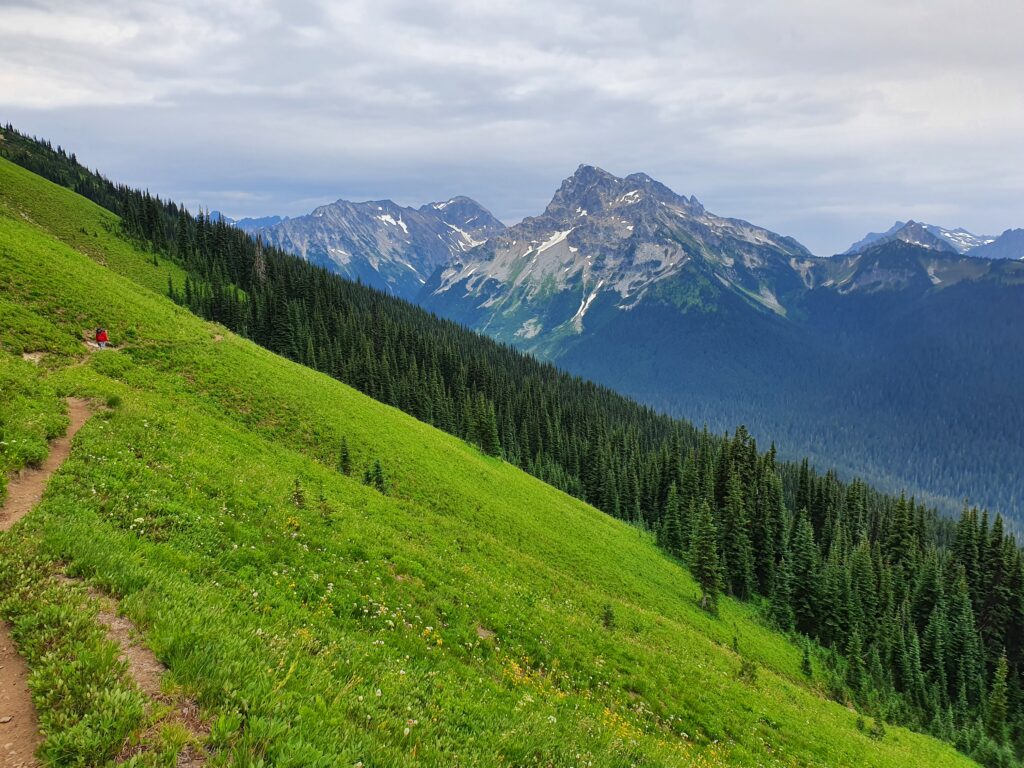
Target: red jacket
(101,336)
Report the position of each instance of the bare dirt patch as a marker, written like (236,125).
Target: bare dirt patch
(484,633)
(33,357)
(19,728)
(147,671)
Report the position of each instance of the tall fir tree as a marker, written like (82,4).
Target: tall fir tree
(704,563)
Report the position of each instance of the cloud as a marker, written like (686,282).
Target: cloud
(820,120)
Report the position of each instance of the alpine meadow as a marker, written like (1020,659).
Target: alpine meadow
(351,533)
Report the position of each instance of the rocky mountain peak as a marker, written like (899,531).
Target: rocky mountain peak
(464,214)
(594,191)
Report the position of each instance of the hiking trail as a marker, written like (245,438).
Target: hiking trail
(25,489)
(19,725)
(19,729)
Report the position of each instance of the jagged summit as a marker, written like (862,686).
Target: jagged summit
(384,244)
(606,241)
(593,190)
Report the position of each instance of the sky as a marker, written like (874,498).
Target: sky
(818,119)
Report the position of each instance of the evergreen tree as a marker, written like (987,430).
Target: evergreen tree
(672,524)
(855,672)
(805,577)
(486,428)
(344,458)
(998,699)
(781,603)
(377,476)
(738,552)
(704,557)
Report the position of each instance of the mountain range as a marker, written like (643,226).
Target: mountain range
(400,249)
(379,242)
(896,360)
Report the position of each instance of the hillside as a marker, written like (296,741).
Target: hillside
(470,614)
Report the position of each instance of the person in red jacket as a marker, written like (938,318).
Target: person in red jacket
(101,337)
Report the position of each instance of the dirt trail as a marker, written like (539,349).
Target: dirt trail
(147,671)
(26,488)
(19,729)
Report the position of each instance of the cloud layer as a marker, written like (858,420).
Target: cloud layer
(819,120)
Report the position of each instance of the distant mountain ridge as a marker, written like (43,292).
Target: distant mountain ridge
(938,238)
(1009,245)
(379,242)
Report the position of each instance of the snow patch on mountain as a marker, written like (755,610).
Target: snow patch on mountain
(577,319)
(555,239)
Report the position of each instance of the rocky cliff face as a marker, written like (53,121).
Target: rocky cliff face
(605,241)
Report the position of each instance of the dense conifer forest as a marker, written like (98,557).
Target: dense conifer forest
(924,616)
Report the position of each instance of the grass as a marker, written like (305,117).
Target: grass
(31,416)
(470,616)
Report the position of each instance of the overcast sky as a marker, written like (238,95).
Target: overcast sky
(816,118)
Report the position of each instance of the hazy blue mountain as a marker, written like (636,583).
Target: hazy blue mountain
(255,224)
(379,242)
(957,240)
(1009,245)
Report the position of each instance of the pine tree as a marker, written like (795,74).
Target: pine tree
(855,673)
(739,557)
(344,458)
(781,603)
(998,699)
(672,524)
(486,428)
(806,567)
(704,561)
(805,661)
(377,476)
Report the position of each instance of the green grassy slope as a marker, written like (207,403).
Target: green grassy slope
(458,619)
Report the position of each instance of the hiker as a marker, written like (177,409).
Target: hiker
(101,337)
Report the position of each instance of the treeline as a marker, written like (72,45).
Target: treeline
(923,618)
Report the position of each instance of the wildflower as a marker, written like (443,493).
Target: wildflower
(552,719)
(379,694)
